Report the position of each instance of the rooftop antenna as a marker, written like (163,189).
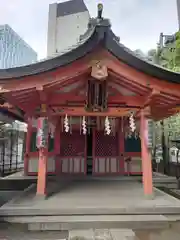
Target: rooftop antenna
(100,10)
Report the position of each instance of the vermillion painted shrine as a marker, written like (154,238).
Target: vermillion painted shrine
(87,109)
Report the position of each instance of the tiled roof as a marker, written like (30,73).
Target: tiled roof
(98,33)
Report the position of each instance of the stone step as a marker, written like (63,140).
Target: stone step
(102,234)
(55,223)
(8,210)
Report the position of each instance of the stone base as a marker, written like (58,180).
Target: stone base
(40,197)
(102,234)
(67,223)
(149,196)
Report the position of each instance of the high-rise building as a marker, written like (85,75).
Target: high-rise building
(67,21)
(178,11)
(14,51)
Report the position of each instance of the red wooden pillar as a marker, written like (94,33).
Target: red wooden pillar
(146,158)
(28,145)
(43,158)
(42,172)
(121,144)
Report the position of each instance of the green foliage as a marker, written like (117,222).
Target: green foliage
(169,56)
(152,52)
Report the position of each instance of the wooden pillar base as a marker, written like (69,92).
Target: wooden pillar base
(42,173)
(149,196)
(40,197)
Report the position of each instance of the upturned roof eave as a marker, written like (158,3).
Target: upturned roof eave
(99,33)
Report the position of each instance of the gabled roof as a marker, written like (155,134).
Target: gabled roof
(99,33)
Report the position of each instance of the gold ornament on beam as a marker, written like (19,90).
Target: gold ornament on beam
(43,108)
(99,71)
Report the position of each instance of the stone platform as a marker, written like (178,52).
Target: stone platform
(94,204)
(91,197)
(84,204)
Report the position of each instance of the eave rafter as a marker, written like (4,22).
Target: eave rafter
(128,84)
(137,77)
(67,80)
(21,98)
(28,99)
(160,105)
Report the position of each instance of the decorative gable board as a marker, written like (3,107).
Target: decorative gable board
(70,87)
(123,91)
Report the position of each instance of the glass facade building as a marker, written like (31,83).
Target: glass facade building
(14,51)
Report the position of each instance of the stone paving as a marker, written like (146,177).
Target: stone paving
(14,233)
(93,197)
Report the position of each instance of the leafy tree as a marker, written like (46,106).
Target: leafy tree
(169,55)
(139,52)
(151,53)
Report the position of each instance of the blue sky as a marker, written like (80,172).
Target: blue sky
(137,22)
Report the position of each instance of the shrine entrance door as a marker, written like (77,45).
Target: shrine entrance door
(73,153)
(105,153)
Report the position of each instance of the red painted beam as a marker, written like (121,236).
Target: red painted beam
(81,111)
(138,77)
(58,99)
(17,93)
(65,81)
(130,87)
(114,90)
(128,100)
(42,95)
(123,79)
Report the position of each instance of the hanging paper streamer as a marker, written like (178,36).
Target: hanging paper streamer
(42,133)
(66,124)
(148,133)
(107,126)
(84,128)
(132,124)
(51,129)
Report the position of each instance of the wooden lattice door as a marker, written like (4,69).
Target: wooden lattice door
(106,157)
(73,153)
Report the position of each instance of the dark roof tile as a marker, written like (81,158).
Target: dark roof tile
(99,33)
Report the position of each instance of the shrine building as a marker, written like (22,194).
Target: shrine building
(87,109)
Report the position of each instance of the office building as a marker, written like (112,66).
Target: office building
(67,21)
(178,11)
(14,51)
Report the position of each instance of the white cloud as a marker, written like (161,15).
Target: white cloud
(137,22)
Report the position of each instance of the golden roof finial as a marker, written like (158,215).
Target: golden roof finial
(100,10)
